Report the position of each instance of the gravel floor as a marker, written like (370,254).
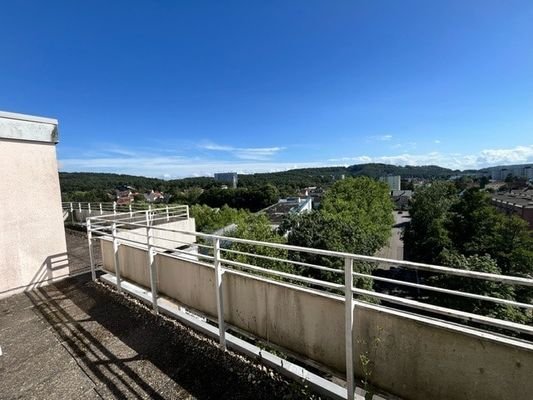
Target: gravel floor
(78,251)
(79,339)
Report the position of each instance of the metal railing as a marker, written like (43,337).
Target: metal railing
(348,268)
(89,209)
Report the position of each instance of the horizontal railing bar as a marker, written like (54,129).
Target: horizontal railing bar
(284,260)
(448,311)
(443,290)
(123,240)
(408,264)
(199,255)
(287,275)
(321,283)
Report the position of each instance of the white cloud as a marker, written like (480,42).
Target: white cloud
(176,166)
(436,141)
(381,138)
(519,154)
(246,153)
(485,158)
(163,164)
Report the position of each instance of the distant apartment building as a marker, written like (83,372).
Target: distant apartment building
(521,171)
(229,178)
(518,203)
(394,181)
(528,172)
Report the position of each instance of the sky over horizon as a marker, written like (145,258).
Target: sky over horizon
(173,88)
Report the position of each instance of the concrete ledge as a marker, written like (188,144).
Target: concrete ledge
(417,357)
(286,368)
(28,127)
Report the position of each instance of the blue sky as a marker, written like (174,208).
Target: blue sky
(185,88)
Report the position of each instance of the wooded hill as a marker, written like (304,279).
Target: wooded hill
(295,178)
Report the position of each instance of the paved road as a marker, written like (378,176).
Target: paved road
(394,249)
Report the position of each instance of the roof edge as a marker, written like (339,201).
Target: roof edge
(24,127)
(27,117)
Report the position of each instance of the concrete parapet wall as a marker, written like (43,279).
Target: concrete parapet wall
(162,237)
(416,358)
(32,238)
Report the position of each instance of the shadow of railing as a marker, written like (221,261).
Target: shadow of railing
(89,319)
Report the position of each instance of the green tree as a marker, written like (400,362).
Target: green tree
(473,223)
(210,219)
(356,217)
(257,227)
(477,263)
(465,231)
(427,234)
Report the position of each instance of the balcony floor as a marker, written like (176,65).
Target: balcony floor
(76,339)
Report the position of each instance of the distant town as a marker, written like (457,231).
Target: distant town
(510,187)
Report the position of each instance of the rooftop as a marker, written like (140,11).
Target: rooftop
(76,339)
(523,199)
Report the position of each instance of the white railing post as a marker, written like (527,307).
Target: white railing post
(151,262)
(72,212)
(101,212)
(79,208)
(115,254)
(114,208)
(89,208)
(168,217)
(187,210)
(219,295)
(91,257)
(348,324)
(131,212)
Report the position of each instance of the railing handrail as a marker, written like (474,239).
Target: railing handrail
(107,225)
(510,279)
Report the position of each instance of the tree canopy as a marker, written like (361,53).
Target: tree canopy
(356,217)
(463,230)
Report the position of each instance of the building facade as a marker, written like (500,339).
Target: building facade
(32,237)
(517,203)
(229,178)
(394,181)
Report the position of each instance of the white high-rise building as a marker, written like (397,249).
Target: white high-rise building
(394,181)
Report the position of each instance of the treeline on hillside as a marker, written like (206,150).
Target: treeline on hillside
(87,181)
(463,230)
(305,177)
(84,181)
(408,171)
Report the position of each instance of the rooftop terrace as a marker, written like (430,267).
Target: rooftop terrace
(148,319)
(77,339)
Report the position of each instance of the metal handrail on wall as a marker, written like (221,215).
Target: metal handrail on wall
(142,226)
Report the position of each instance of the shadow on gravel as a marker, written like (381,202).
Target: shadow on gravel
(130,353)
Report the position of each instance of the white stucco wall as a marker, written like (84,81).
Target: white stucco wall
(32,237)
